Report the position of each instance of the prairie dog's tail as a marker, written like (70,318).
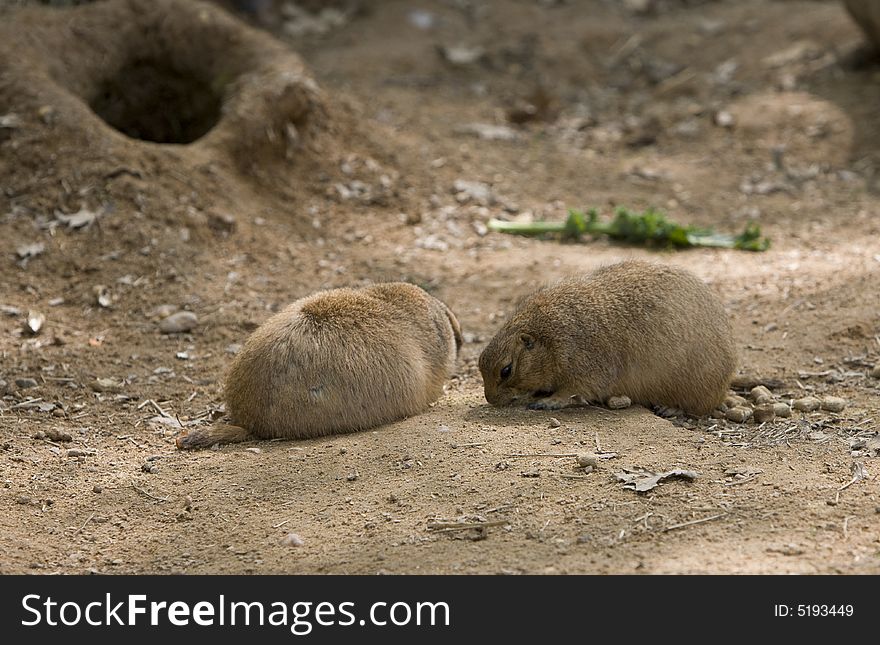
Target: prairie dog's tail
(208,436)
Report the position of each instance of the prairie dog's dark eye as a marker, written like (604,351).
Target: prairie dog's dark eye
(505,371)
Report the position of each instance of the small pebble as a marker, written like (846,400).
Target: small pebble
(554,422)
(782,410)
(76,452)
(618,402)
(724,119)
(807,404)
(764,413)
(292,539)
(25,383)
(875,373)
(738,414)
(735,401)
(833,404)
(588,459)
(761,394)
(58,435)
(352,476)
(162,311)
(34,322)
(177,323)
(97,489)
(106,385)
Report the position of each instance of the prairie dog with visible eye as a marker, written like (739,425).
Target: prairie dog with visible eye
(338,361)
(654,333)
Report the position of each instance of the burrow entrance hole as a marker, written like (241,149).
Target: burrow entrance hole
(152,100)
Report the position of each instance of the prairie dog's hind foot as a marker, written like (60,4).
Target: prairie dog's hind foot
(667,412)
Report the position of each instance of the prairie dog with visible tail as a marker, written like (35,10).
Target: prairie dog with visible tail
(338,361)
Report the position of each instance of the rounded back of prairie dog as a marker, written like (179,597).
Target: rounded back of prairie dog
(343,360)
(652,332)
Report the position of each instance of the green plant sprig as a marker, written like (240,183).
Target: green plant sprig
(649,228)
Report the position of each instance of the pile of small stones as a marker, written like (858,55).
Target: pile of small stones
(763,406)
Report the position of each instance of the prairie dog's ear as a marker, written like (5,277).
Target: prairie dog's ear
(528,340)
(456,329)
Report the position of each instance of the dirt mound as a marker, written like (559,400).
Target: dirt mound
(110,105)
(143,133)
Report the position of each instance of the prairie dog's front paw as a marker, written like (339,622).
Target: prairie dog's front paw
(555,402)
(546,404)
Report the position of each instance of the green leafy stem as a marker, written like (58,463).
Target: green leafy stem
(649,228)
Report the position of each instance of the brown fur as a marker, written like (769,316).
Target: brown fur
(867,14)
(338,361)
(652,332)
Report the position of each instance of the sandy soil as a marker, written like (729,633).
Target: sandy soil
(718,112)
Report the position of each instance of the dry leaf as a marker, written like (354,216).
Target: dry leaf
(642,481)
(82,218)
(168,421)
(27,251)
(858,471)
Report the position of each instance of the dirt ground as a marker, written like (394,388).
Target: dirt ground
(718,112)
